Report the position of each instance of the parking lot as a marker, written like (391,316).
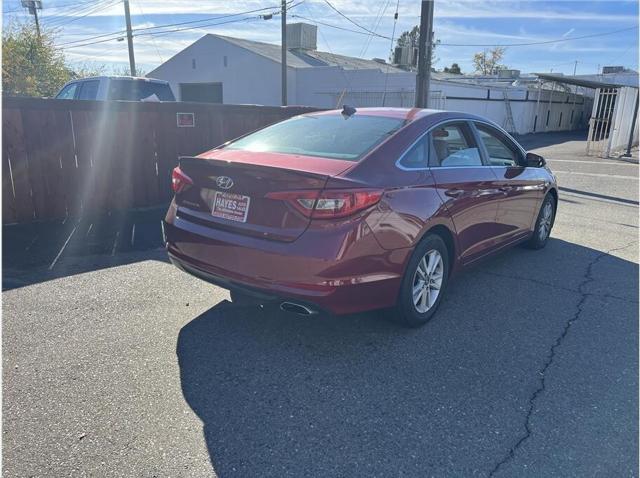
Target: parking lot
(118,364)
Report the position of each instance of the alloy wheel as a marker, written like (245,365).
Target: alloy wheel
(544,228)
(427,281)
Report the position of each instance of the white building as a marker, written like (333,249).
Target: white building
(221,69)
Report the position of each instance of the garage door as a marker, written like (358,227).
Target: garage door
(201,92)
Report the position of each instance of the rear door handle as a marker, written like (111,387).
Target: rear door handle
(454,193)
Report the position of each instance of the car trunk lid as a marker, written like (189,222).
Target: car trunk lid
(230,189)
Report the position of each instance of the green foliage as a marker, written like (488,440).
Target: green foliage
(31,65)
(34,66)
(454,68)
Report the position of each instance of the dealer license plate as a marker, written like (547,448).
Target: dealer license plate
(231,206)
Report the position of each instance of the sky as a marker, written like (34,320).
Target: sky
(457,23)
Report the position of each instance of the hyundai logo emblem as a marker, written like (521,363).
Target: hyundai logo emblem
(224,182)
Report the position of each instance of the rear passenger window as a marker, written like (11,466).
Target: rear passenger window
(500,150)
(68,92)
(416,157)
(89,90)
(454,146)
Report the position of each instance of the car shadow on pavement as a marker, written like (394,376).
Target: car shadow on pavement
(284,395)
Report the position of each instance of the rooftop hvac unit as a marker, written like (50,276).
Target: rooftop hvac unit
(612,69)
(302,36)
(508,73)
(405,56)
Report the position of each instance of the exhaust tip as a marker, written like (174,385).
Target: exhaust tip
(298,309)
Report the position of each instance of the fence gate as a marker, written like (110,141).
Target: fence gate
(611,121)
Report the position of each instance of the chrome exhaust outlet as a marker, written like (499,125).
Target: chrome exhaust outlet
(297,308)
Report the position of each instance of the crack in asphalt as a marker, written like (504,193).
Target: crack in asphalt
(587,279)
(559,287)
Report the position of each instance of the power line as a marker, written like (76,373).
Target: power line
(472,44)
(593,35)
(318,22)
(90,11)
(153,40)
(375,25)
(393,34)
(162,32)
(347,18)
(191,22)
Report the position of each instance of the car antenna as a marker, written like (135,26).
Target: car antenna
(348,111)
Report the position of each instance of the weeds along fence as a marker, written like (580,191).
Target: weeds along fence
(69,158)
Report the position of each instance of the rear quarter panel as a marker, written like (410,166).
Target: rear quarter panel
(411,205)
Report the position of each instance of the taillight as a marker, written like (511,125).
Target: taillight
(330,203)
(179,180)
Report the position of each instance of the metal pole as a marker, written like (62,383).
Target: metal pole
(35,16)
(575,66)
(132,60)
(284,52)
(537,114)
(425,47)
(633,127)
(553,89)
(33,6)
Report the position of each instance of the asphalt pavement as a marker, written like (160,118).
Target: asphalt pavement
(115,363)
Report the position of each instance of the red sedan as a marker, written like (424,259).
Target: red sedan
(354,210)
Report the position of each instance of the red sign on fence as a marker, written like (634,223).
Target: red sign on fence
(186,120)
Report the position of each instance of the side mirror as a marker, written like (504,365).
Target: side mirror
(534,160)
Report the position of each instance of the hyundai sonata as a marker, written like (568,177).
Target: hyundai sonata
(354,210)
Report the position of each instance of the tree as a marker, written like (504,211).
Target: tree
(488,63)
(120,70)
(411,38)
(454,68)
(34,66)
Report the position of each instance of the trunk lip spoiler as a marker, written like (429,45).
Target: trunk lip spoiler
(239,164)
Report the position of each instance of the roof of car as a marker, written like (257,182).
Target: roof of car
(116,77)
(407,114)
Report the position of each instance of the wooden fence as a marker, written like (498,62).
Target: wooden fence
(68,158)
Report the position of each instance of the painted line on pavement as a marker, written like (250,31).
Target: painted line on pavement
(598,175)
(603,163)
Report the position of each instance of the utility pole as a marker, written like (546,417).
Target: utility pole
(633,127)
(425,47)
(132,60)
(33,6)
(575,67)
(283,27)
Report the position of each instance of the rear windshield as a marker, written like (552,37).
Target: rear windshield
(328,136)
(136,90)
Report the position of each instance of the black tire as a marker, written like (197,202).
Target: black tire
(540,238)
(406,311)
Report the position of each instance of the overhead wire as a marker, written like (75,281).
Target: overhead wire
(90,11)
(375,25)
(144,29)
(153,40)
(393,34)
(318,22)
(545,42)
(162,32)
(347,18)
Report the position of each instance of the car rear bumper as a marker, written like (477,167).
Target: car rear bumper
(340,270)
